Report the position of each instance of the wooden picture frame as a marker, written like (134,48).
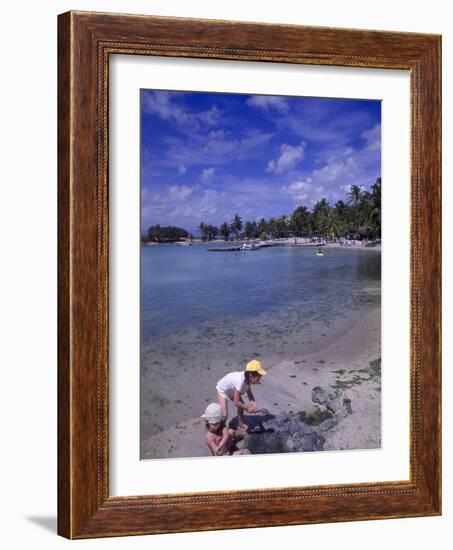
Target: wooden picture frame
(85,41)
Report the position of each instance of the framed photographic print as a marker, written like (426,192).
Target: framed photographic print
(249,275)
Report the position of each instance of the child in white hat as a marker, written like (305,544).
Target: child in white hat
(220,440)
(235,384)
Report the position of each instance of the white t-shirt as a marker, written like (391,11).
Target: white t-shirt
(230,382)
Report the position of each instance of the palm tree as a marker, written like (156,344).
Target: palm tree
(356,199)
(212,232)
(355,194)
(203,231)
(302,221)
(333,226)
(320,211)
(236,225)
(359,214)
(376,193)
(261,228)
(371,210)
(272,227)
(250,229)
(340,207)
(283,225)
(225,230)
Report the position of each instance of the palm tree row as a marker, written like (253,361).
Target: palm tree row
(358,217)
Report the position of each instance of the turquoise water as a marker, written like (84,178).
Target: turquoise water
(186,287)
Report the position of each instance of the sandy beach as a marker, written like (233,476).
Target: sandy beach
(347,367)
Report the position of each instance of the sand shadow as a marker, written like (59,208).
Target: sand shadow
(254,421)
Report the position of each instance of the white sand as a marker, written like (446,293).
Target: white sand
(287,387)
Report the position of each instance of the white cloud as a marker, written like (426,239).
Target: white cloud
(289,157)
(179,192)
(181,170)
(268,103)
(168,195)
(330,172)
(220,150)
(210,117)
(182,205)
(163,104)
(207,174)
(304,191)
(209,203)
(217,134)
(373,138)
(335,177)
(345,188)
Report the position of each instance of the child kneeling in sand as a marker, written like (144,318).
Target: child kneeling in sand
(232,386)
(220,440)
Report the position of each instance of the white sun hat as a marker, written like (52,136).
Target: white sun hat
(213,413)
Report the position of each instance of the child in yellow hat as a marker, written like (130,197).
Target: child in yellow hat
(234,385)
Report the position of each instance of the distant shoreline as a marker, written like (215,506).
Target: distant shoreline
(291,242)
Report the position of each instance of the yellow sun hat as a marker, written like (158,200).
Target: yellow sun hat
(255,366)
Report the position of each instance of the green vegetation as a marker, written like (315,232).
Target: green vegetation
(159,234)
(208,232)
(339,371)
(373,372)
(315,417)
(358,217)
(356,380)
(375,367)
(225,231)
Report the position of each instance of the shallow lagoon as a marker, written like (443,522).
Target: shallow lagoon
(186,287)
(217,310)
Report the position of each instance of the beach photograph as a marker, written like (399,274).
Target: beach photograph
(260,267)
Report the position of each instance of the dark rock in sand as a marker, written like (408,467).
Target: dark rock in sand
(328,424)
(266,443)
(307,442)
(287,432)
(283,433)
(347,405)
(320,396)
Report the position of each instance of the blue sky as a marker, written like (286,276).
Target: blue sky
(207,156)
